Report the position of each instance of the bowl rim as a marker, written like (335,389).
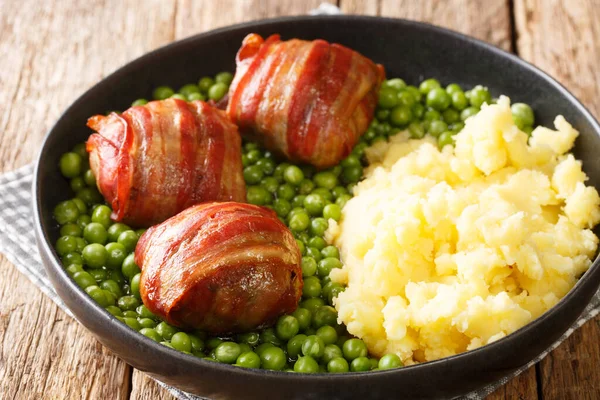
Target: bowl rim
(99,312)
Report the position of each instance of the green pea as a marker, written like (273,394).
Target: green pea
(115,230)
(66,212)
(338,365)
(116,311)
(139,102)
(79,148)
(97,295)
(72,258)
(306,186)
(77,184)
(309,266)
(318,226)
(98,274)
(217,91)
(314,204)
(330,251)
(406,99)
(95,232)
(325,179)
(352,174)
(66,244)
(306,365)
(287,327)
(116,255)
(196,96)
(390,361)
(293,175)
(318,243)
(457,126)
(129,268)
(128,303)
(354,348)
(188,89)
(432,115)
(128,239)
(401,115)
(181,341)
(301,246)
(451,116)
(286,191)
(178,97)
(116,276)
(303,316)
(135,286)
(224,77)
(83,220)
(132,323)
(251,338)
(299,222)
(313,346)
(253,174)
(333,291)
(360,364)
(130,314)
(73,269)
(112,287)
(197,343)
(268,336)
(282,207)
(71,229)
(144,312)
(294,346)
(438,99)
(273,358)
(480,95)
(258,195)
(205,83)
(267,165)
(270,183)
(338,191)
(94,255)
(324,315)
(163,329)
(388,98)
(418,110)
(459,100)
(395,83)
(331,351)
(428,85)
(312,287)
(436,128)
(468,112)
(328,335)
(167,344)
(83,279)
(453,88)
(314,253)
(326,265)
(151,333)
(162,93)
(313,304)
(89,196)
(213,343)
(248,359)
(522,115)
(89,178)
(262,347)
(382,115)
(446,138)
(70,165)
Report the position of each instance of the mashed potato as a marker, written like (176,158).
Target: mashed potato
(446,251)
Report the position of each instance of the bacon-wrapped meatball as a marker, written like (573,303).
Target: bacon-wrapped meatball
(220,267)
(310,101)
(155,160)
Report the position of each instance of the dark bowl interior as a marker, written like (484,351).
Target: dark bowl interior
(409,50)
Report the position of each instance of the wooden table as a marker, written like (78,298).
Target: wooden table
(51,51)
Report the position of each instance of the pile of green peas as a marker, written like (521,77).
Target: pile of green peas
(431,109)
(98,253)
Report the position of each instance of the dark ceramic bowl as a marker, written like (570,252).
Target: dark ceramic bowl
(409,50)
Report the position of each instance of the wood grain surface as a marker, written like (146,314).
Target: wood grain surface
(54,50)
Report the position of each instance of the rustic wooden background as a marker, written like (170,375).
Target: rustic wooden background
(51,51)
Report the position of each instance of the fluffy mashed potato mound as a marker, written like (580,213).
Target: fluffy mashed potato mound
(445,251)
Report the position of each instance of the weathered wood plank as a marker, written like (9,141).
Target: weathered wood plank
(145,388)
(52,52)
(563,39)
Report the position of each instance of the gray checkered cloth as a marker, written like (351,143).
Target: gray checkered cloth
(17,242)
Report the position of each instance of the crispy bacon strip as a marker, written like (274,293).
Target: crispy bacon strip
(220,267)
(155,160)
(310,101)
